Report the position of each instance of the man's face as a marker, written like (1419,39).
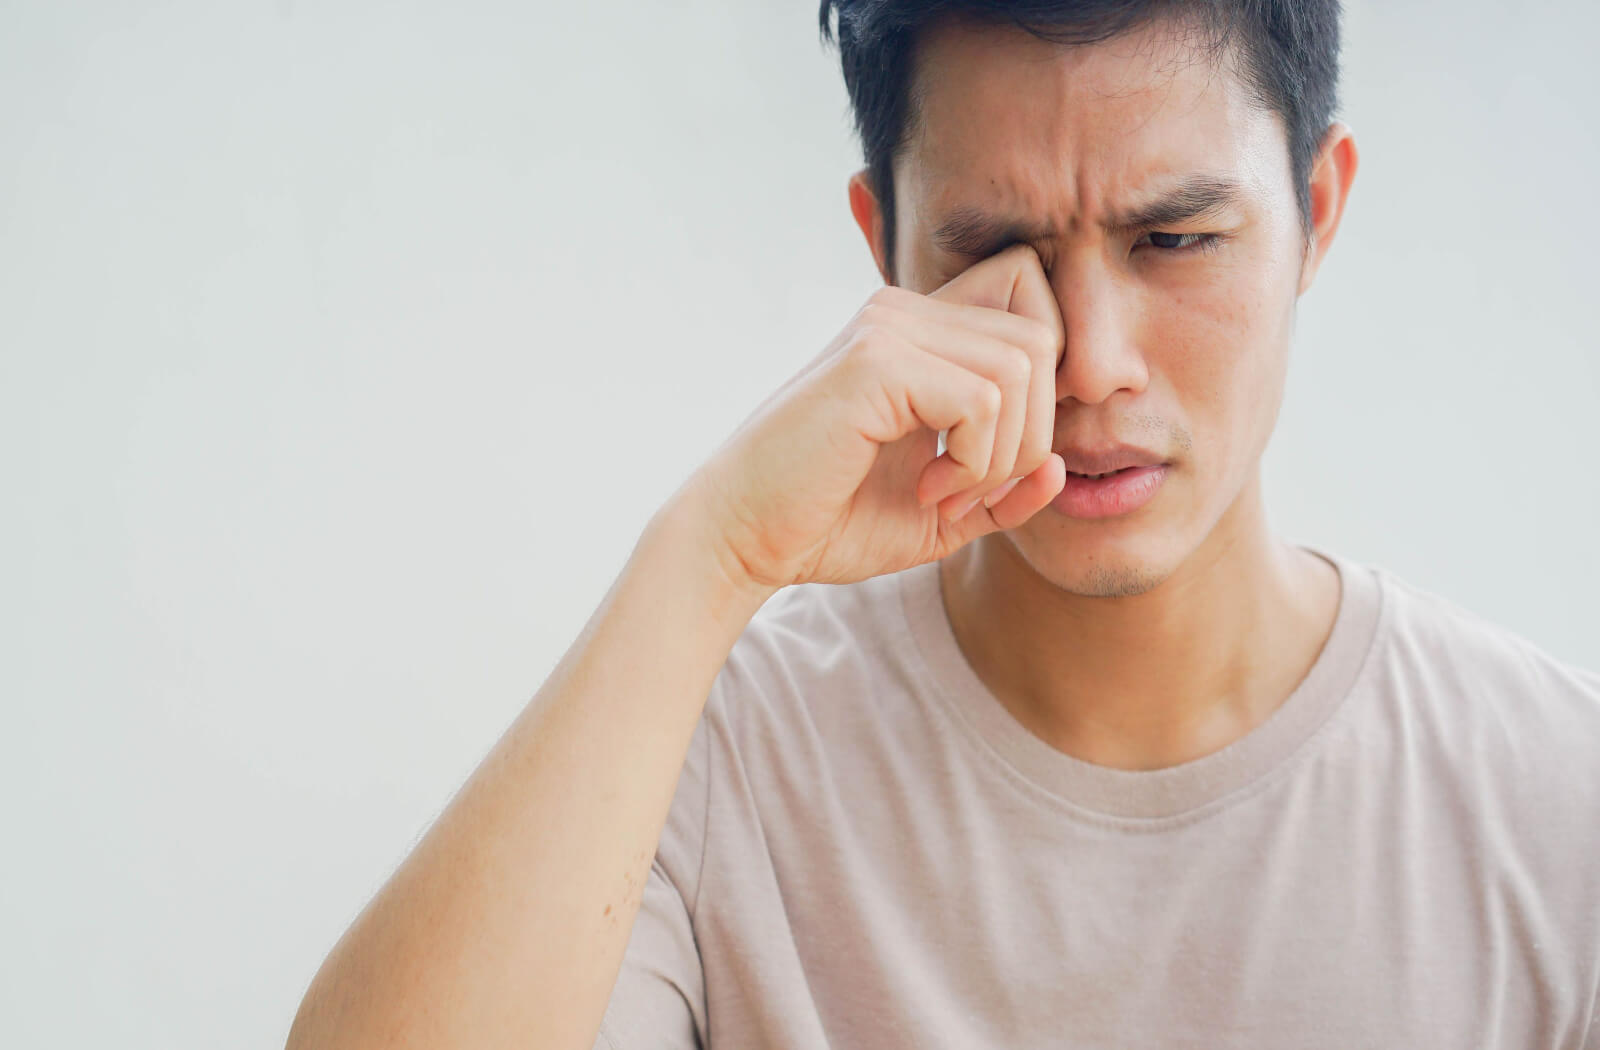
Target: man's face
(1174,342)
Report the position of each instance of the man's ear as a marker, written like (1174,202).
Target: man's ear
(1331,175)
(864,206)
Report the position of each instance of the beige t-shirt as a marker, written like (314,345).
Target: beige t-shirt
(865,849)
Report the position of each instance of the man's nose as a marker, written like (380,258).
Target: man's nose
(1100,312)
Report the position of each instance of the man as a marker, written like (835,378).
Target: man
(1076,752)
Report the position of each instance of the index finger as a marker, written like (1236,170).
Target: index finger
(1014,281)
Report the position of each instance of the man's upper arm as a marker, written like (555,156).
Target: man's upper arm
(659,1001)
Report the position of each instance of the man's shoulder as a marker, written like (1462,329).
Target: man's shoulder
(1486,705)
(1424,629)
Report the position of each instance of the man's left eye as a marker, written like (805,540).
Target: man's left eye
(1180,242)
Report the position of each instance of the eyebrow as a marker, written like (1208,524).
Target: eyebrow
(971,231)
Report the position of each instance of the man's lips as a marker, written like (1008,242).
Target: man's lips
(1107,459)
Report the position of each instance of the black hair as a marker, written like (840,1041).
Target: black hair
(1288,52)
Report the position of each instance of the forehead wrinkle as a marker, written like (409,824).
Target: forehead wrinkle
(1142,65)
(1055,160)
(1005,195)
(975,120)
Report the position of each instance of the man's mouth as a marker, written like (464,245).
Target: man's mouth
(1097,477)
(1111,492)
(1104,462)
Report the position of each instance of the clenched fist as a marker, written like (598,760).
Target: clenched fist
(838,477)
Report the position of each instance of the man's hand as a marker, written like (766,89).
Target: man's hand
(837,476)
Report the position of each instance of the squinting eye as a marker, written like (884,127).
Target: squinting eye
(1182,242)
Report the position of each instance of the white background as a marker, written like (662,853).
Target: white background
(345,349)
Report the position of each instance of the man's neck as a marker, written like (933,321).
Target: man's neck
(1154,679)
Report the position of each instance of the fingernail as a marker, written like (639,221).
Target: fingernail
(963,511)
(1000,493)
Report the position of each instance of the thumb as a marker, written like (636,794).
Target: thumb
(1027,496)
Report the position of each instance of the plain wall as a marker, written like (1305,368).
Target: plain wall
(346,348)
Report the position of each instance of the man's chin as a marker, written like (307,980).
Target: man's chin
(1092,562)
(1112,581)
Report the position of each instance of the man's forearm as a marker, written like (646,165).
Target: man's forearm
(507,924)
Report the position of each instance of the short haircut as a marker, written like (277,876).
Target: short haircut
(1287,51)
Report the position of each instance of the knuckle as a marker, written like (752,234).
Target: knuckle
(1032,454)
(989,400)
(873,314)
(868,339)
(1045,339)
(887,295)
(1017,369)
(866,348)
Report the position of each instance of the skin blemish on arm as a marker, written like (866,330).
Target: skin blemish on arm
(630,883)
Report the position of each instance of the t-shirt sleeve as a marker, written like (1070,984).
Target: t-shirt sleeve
(659,1002)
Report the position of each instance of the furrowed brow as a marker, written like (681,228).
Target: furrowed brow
(1196,197)
(970,231)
